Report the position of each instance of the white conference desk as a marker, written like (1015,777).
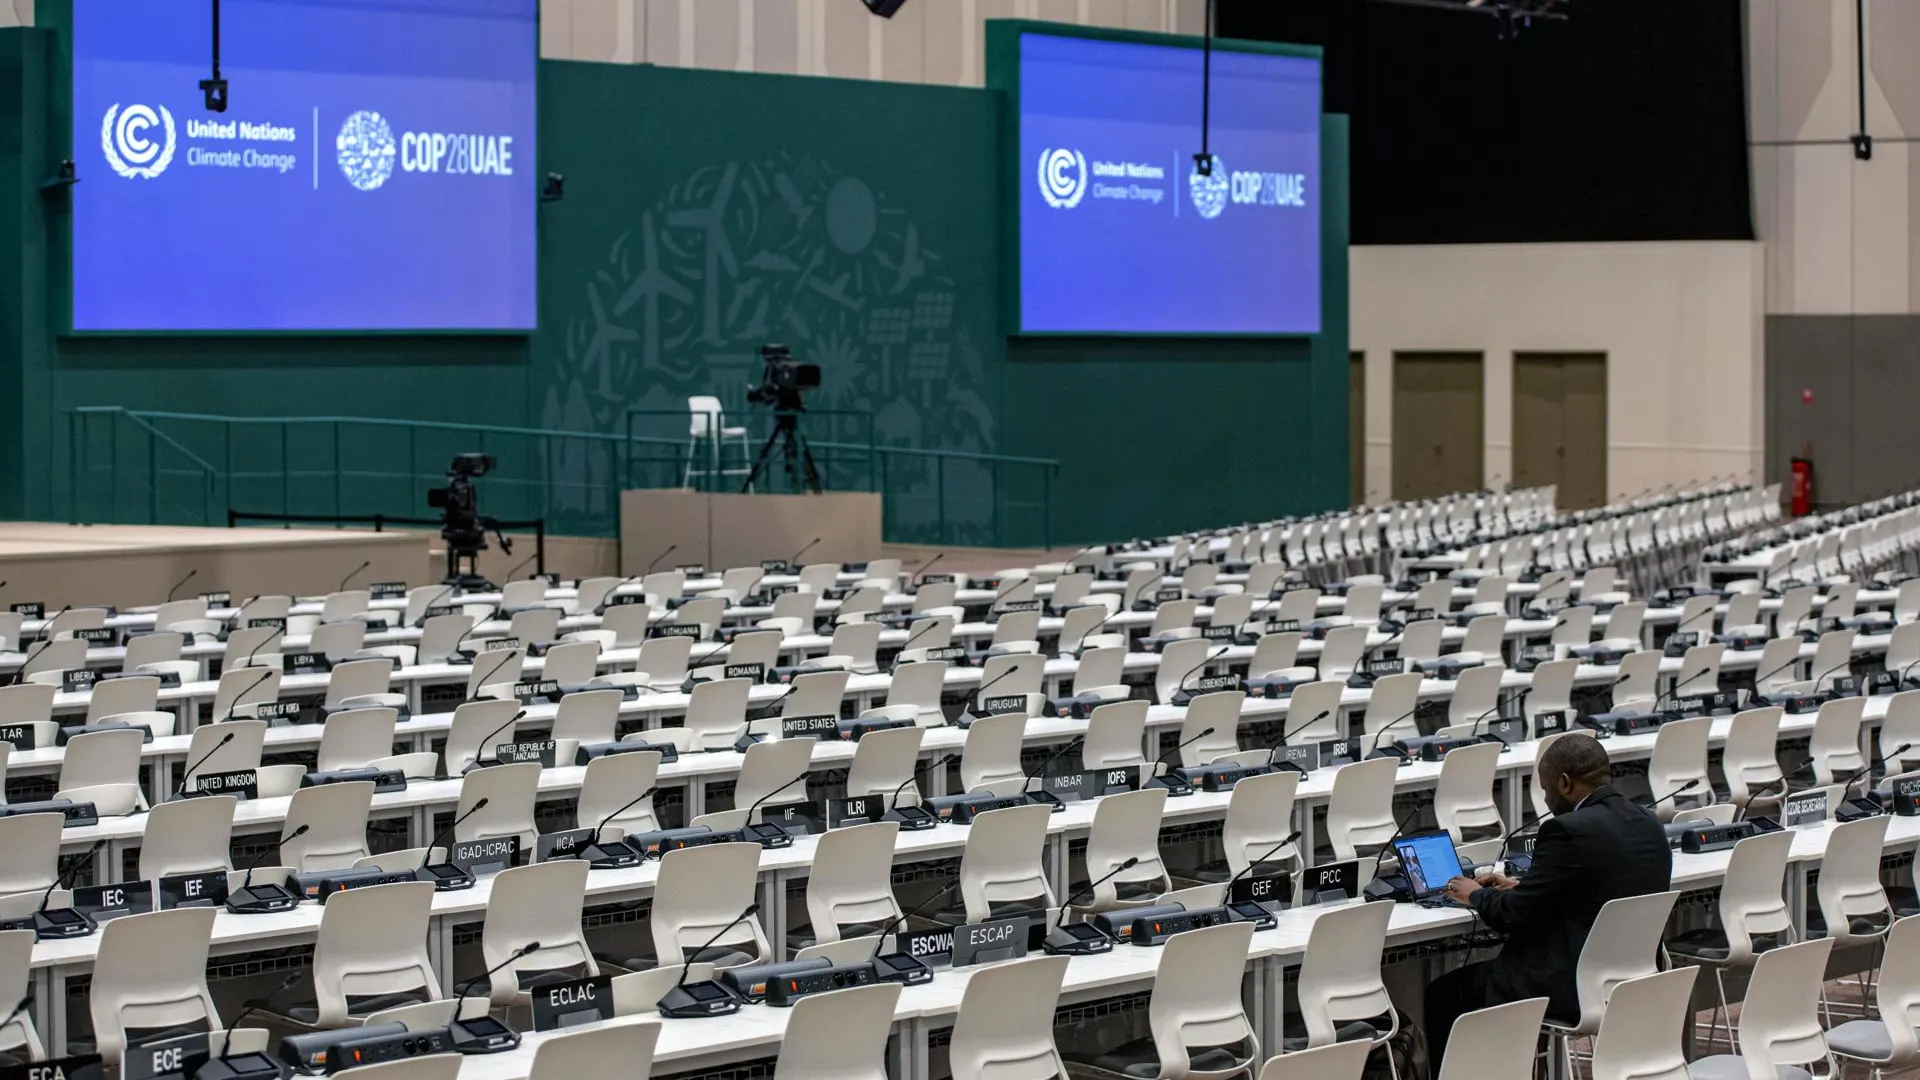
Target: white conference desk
(696,772)
(757,1030)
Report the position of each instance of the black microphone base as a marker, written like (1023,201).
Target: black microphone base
(484,1035)
(50,923)
(250,1066)
(903,969)
(693,1001)
(767,835)
(911,818)
(1174,783)
(262,899)
(445,877)
(1257,914)
(1046,798)
(609,855)
(1076,939)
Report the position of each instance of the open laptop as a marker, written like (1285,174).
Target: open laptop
(1428,861)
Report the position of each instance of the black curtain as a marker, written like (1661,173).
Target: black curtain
(1625,122)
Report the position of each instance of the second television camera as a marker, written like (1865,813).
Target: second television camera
(783,379)
(462,525)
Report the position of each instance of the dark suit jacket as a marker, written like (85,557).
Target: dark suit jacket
(1607,849)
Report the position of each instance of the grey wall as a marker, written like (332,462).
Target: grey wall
(1842,237)
(1843,384)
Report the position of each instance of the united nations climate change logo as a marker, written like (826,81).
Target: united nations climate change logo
(126,139)
(366,149)
(1063,177)
(1209,192)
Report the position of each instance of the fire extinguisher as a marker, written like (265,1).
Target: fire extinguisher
(1801,500)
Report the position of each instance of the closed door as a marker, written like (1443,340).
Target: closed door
(1560,426)
(1438,424)
(1357,430)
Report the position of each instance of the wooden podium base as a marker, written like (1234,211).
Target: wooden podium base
(724,530)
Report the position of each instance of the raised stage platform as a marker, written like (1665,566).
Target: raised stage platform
(135,564)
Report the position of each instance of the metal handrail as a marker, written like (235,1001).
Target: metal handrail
(140,418)
(1002,487)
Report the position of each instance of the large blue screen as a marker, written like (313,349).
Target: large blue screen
(375,169)
(1118,234)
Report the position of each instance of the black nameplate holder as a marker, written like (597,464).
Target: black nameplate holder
(855,810)
(483,857)
(565,1005)
(824,726)
(242,783)
(207,888)
(990,941)
(306,663)
(78,680)
(103,636)
(386,590)
(288,711)
(1906,796)
(104,902)
(538,751)
(536,690)
(1807,808)
(1002,704)
(1302,758)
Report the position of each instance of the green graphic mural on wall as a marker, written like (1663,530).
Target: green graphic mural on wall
(849,268)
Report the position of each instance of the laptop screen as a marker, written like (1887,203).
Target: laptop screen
(1428,862)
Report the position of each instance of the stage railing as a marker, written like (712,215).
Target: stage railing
(146,467)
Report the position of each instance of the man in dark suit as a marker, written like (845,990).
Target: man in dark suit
(1596,847)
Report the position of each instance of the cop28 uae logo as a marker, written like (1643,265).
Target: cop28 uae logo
(127,139)
(366,148)
(1210,191)
(1063,177)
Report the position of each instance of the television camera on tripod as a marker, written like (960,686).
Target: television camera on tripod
(783,382)
(462,525)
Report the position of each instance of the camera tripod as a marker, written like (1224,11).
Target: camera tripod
(802,473)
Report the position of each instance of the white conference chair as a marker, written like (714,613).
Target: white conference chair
(607,792)
(1000,867)
(1004,1027)
(1503,1040)
(371,954)
(700,891)
(510,791)
(151,974)
(536,903)
(335,816)
(1780,1030)
(1639,1035)
(1340,985)
(850,887)
(18,1038)
(623,1049)
(186,836)
(1360,810)
(1888,1041)
(839,1035)
(1126,826)
(1623,944)
(1195,1003)
(1753,916)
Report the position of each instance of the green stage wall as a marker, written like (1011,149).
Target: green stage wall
(705,214)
